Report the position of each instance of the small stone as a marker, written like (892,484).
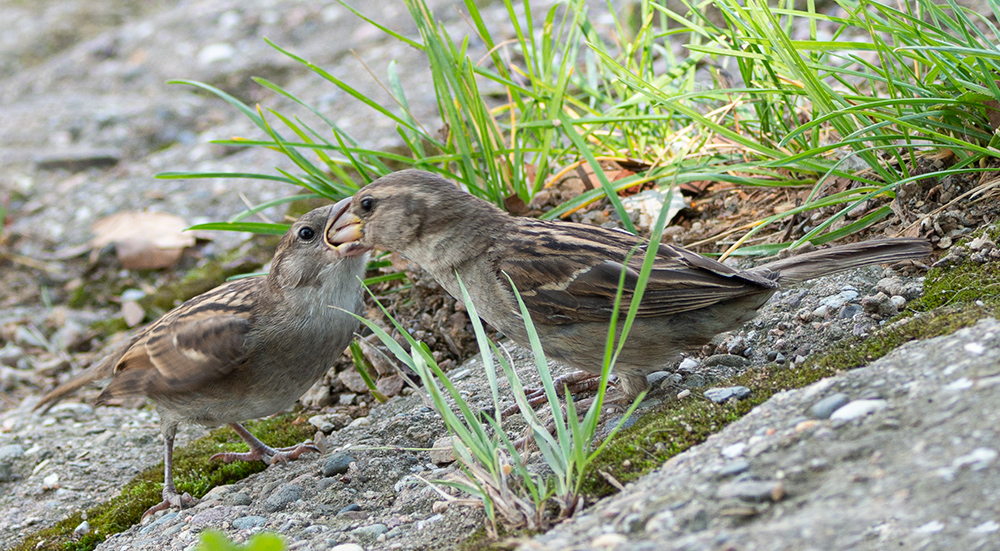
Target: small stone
(283,497)
(51,482)
(898,301)
(752,490)
(608,540)
(239,498)
(683,394)
(807,425)
(370,532)
(881,304)
(987,527)
(931,527)
(836,301)
(733,451)
(821,313)
(726,360)
(11,452)
(321,423)
(353,381)
(82,529)
(780,359)
(216,53)
(688,364)
(10,354)
(734,468)
(346,398)
(349,509)
(824,408)
(849,311)
(724,394)
(248,522)
(657,377)
(857,409)
(444,451)
(976,460)
(347,547)
(338,464)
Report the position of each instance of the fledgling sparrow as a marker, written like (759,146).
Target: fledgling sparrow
(246,349)
(568,273)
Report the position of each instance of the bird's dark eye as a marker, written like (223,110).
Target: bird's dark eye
(367,204)
(307,233)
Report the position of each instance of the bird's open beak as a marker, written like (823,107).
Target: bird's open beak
(343,231)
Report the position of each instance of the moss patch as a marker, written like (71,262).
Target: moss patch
(193,473)
(953,298)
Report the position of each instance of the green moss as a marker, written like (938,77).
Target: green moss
(193,473)
(953,298)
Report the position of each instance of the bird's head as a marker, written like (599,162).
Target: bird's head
(402,210)
(305,250)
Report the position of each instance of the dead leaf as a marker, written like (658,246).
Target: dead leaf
(143,240)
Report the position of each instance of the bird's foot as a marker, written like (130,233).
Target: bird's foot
(267,454)
(170,499)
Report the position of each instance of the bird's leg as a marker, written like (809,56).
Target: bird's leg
(171,498)
(260,451)
(577,381)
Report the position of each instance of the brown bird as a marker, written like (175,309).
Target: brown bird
(568,273)
(246,349)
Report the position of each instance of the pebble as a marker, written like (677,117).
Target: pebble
(733,451)
(752,490)
(248,522)
(734,468)
(10,452)
(349,509)
(338,464)
(165,519)
(321,423)
(727,360)
(283,497)
(443,451)
(608,540)
(688,364)
(821,312)
(347,547)
(724,394)
(371,531)
(849,311)
(10,354)
(857,409)
(657,377)
(881,304)
(824,408)
(976,460)
(82,529)
(806,425)
(834,302)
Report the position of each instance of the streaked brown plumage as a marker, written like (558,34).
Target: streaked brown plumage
(246,349)
(568,273)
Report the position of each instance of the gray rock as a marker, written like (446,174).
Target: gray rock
(77,159)
(726,360)
(443,451)
(283,497)
(849,311)
(752,490)
(834,302)
(337,464)
(857,409)
(734,468)
(248,522)
(10,453)
(824,408)
(10,354)
(370,532)
(723,394)
(657,377)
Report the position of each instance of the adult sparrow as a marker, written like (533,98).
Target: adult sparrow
(246,349)
(568,273)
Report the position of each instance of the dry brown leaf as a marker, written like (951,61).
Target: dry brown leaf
(143,240)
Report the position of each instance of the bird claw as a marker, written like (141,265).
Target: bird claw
(170,499)
(268,455)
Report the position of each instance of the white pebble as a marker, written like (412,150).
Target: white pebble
(987,527)
(733,451)
(975,348)
(347,547)
(977,460)
(858,408)
(931,527)
(687,365)
(50,482)
(959,384)
(608,540)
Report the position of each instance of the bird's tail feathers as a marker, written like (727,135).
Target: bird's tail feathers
(824,262)
(101,370)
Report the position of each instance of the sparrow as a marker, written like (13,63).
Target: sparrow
(246,349)
(568,274)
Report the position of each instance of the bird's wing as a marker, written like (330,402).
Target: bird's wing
(200,340)
(571,272)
